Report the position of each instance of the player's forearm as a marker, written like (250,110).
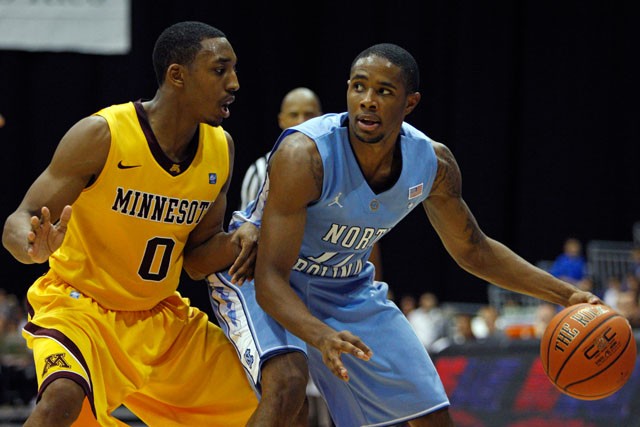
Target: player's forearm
(279,300)
(14,236)
(216,254)
(499,265)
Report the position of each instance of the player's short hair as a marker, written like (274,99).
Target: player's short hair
(397,56)
(179,44)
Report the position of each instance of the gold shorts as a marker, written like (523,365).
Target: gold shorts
(169,365)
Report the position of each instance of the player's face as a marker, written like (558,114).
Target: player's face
(377,100)
(211,81)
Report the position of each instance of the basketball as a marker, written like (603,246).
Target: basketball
(588,351)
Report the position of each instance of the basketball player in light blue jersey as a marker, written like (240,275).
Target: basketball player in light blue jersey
(336,185)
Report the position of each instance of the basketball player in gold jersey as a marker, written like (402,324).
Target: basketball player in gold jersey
(147,183)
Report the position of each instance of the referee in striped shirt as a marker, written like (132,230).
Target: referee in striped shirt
(299,105)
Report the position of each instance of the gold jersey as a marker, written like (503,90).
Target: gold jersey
(124,244)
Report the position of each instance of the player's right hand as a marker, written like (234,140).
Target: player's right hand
(579,297)
(45,238)
(333,345)
(246,238)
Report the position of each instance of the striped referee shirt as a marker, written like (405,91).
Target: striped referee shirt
(252,181)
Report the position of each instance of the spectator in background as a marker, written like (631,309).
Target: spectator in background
(2,121)
(612,291)
(635,259)
(485,323)
(632,284)
(462,330)
(407,304)
(628,307)
(17,371)
(428,320)
(544,314)
(586,284)
(459,331)
(570,265)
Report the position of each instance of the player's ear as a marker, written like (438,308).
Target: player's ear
(175,75)
(412,101)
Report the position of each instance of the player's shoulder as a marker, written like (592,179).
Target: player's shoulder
(443,153)
(92,128)
(298,145)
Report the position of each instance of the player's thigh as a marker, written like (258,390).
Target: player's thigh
(198,378)
(255,335)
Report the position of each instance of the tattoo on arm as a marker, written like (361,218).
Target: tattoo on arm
(473,231)
(450,180)
(448,175)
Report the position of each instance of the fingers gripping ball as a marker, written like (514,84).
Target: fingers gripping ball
(588,351)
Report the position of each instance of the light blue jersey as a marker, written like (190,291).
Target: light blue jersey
(349,217)
(335,281)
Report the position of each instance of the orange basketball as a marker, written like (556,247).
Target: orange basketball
(588,351)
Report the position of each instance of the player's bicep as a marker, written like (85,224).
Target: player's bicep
(78,159)
(295,180)
(447,211)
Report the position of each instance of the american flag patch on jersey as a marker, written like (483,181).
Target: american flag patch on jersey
(415,191)
(213,178)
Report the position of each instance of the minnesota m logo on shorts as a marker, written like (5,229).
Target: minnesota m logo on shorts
(57,359)
(56,356)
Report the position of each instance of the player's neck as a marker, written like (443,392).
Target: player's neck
(173,130)
(380,164)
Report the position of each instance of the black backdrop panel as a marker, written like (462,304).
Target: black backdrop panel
(538,103)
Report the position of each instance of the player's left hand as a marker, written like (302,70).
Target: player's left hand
(246,237)
(579,297)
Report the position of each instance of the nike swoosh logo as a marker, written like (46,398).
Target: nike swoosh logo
(121,166)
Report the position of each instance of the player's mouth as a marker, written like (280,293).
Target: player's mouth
(225,106)
(368,122)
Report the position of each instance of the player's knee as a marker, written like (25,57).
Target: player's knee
(294,386)
(60,404)
(285,377)
(288,385)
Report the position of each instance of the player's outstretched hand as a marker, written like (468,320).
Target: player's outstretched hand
(579,297)
(332,347)
(45,238)
(246,237)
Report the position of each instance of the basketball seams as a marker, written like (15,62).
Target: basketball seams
(558,324)
(594,328)
(620,354)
